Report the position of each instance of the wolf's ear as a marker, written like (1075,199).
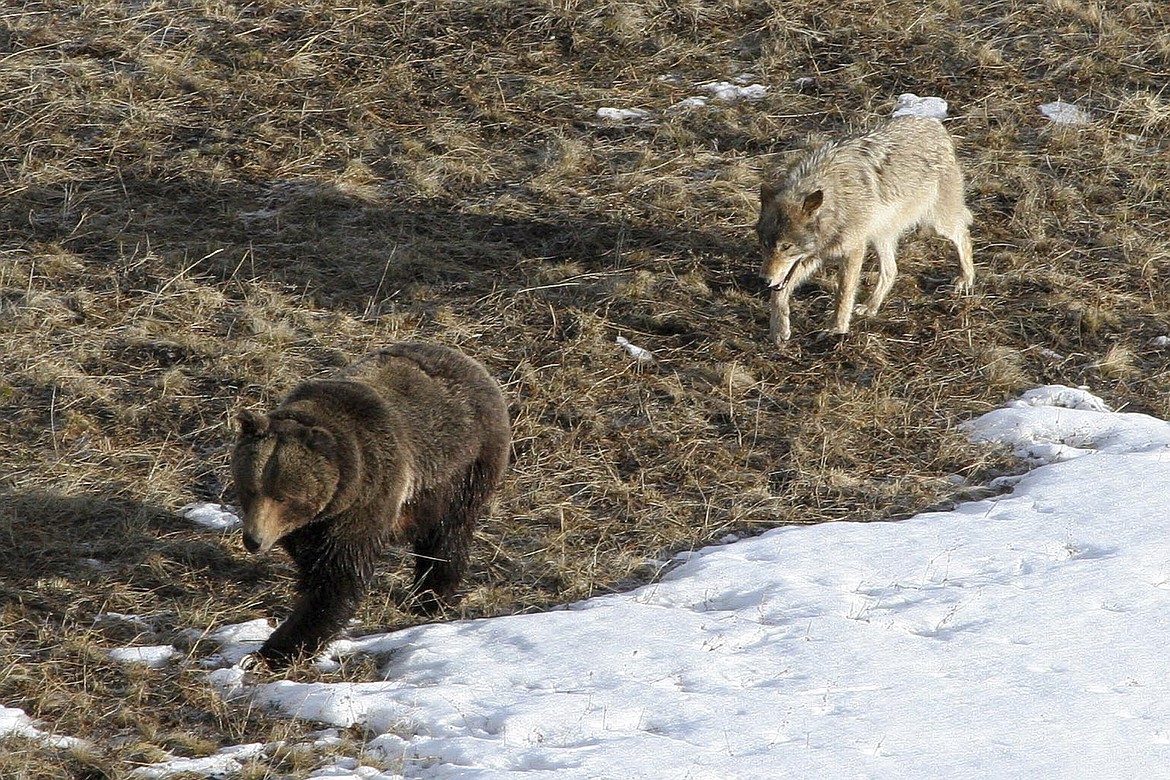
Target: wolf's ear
(813,201)
(252,423)
(767,192)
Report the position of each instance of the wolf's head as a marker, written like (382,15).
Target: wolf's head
(787,230)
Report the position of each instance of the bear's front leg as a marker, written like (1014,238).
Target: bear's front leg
(333,581)
(319,614)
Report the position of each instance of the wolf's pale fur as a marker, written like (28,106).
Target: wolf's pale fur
(843,196)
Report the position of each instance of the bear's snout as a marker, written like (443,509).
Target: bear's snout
(258,544)
(264,525)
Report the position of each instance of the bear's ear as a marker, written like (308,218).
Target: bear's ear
(319,440)
(252,423)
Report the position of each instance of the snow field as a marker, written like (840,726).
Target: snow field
(1017,636)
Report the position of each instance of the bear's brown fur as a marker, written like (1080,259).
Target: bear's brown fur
(404,446)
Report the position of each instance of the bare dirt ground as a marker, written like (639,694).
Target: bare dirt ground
(205,202)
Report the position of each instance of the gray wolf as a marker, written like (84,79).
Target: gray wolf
(866,190)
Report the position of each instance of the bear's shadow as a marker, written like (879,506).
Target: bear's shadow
(74,558)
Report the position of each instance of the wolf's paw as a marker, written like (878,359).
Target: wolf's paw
(780,334)
(963,284)
(865,310)
(830,334)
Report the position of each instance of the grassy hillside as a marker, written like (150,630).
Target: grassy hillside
(204,202)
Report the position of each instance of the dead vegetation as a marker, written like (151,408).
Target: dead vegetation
(205,202)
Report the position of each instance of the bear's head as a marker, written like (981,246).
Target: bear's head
(287,473)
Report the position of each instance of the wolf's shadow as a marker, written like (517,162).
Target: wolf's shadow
(347,250)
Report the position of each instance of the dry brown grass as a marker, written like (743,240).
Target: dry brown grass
(204,202)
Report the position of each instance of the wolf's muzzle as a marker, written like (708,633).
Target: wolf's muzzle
(782,285)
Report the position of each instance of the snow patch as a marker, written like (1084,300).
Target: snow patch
(222,764)
(1062,113)
(691,102)
(217,517)
(728,91)
(121,617)
(249,631)
(351,769)
(154,656)
(623,114)
(1057,423)
(636,352)
(14,722)
(737,89)
(1061,395)
(910,104)
(237,642)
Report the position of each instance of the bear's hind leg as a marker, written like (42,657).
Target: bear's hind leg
(444,541)
(441,557)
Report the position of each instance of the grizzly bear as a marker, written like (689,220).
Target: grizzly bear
(405,446)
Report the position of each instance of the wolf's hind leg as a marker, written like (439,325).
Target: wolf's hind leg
(953,221)
(966,278)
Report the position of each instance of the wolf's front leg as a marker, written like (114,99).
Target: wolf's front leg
(779,325)
(848,277)
(887,271)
